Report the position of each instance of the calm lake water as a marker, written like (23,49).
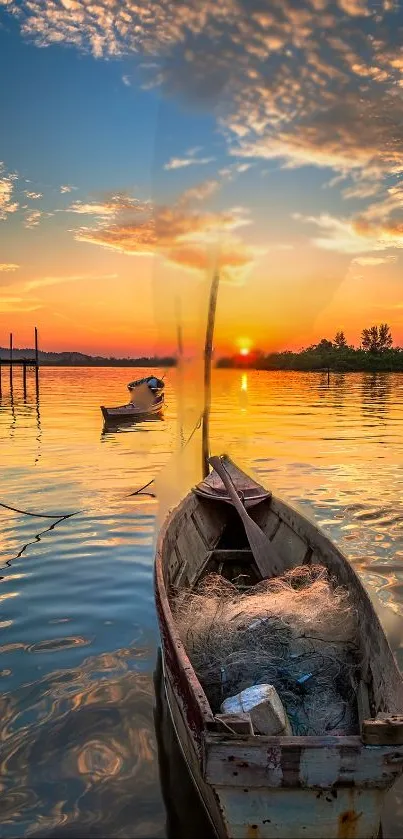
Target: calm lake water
(78,633)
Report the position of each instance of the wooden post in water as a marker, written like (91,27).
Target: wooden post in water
(11,359)
(208,352)
(36,363)
(36,346)
(24,378)
(1,394)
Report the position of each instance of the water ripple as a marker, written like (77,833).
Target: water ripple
(78,631)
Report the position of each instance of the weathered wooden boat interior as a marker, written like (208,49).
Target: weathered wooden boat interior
(252,784)
(206,535)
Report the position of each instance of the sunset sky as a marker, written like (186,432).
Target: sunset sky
(142,143)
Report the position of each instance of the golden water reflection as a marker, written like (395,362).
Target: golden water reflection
(78,633)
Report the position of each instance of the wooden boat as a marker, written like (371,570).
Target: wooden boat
(134,413)
(260,786)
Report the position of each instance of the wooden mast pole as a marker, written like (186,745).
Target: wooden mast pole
(179,337)
(208,352)
(179,368)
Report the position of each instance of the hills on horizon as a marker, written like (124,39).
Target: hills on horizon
(79,359)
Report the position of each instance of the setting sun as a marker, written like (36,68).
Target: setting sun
(244,345)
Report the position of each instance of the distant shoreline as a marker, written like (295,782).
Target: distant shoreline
(318,370)
(319,360)
(77,359)
(124,363)
(313,360)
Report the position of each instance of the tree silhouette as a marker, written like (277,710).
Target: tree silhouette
(377,338)
(385,337)
(369,339)
(325,345)
(340,340)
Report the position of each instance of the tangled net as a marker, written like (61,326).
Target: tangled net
(297,632)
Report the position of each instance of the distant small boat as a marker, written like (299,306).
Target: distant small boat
(254,785)
(156,385)
(134,412)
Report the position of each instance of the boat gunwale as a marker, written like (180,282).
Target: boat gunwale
(181,746)
(198,694)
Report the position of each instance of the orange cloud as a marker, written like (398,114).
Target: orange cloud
(356,8)
(8,266)
(234,260)
(378,228)
(372,261)
(390,232)
(182,233)
(109,206)
(355,235)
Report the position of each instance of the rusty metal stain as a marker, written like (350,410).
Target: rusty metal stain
(291,764)
(348,822)
(268,812)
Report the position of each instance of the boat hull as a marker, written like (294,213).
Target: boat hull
(274,787)
(185,809)
(131,413)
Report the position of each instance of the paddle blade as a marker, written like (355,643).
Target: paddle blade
(266,558)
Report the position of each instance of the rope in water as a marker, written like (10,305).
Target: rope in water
(57,519)
(63,516)
(59,516)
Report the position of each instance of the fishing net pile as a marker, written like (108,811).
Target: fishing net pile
(297,632)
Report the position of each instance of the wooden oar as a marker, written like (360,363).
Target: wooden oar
(208,354)
(266,558)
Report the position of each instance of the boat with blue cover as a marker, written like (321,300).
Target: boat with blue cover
(155,384)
